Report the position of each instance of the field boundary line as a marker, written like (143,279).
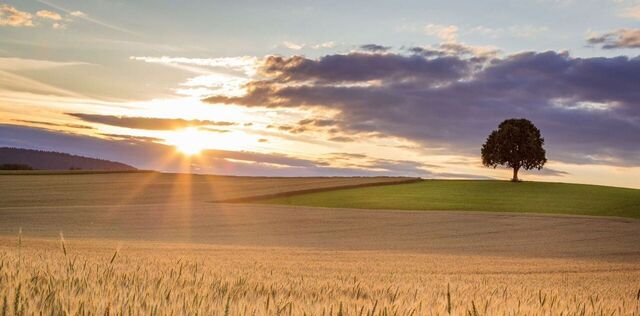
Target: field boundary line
(315,190)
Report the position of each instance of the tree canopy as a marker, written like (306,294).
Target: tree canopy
(516,144)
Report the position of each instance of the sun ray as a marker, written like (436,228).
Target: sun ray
(189,141)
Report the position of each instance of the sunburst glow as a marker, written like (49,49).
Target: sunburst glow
(189,141)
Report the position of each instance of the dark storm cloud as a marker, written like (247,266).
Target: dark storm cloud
(623,38)
(147,123)
(587,108)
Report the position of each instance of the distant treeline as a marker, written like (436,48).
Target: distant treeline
(15,166)
(29,159)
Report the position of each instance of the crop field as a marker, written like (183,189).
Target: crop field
(483,195)
(148,243)
(90,277)
(73,188)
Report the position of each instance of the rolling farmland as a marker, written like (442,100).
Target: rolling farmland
(157,244)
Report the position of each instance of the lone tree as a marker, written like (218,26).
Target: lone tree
(516,143)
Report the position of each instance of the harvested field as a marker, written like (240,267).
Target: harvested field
(505,234)
(121,188)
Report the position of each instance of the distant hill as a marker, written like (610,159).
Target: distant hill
(49,160)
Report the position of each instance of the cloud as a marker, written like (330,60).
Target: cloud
(452,102)
(622,38)
(524,31)
(131,138)
(78,14)
(362,67)
(293,46)
(318,122)
(290,129)
(245,65)
(321,128)
(297,46)
(393,167)
(631,12)
(147,123)
(342,139)
(447,33)
(10,16)
(214,130)
(375,48)
(548,172)
(225,75)
(478,53)
(18,64)
(46,14)
(79,126)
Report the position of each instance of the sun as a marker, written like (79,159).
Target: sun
(188,141)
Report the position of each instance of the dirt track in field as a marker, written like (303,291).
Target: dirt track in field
(503,234)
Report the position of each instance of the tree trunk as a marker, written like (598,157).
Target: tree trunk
(515,174)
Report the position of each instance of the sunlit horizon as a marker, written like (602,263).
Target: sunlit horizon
(414,96)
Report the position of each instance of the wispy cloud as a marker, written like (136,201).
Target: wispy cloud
(18,83)
(247,65)
(46,123)
(524,31)
(622,38)
(11,78)
(300,46)
(448,33)
(16,64)
(87,17)
(147,123)
(225,75)
(375,48)
(631,12)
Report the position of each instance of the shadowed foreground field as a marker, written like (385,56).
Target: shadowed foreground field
(144,278)
(483,195)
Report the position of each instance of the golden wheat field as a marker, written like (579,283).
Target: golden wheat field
(122,278)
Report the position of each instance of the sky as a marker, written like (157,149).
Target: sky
(325,88)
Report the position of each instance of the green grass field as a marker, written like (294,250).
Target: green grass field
(481,195)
